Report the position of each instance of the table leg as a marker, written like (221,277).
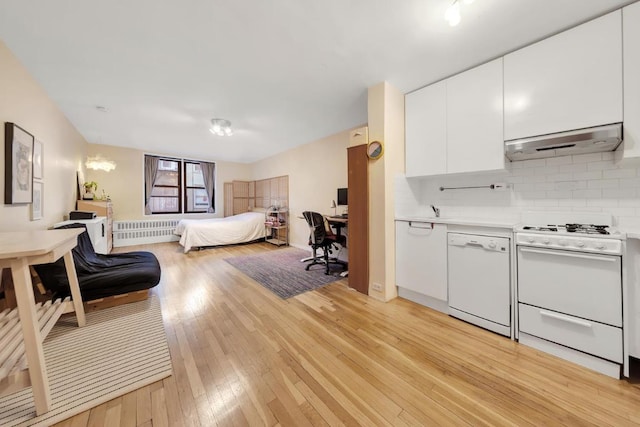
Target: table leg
(31,333)
(75,288)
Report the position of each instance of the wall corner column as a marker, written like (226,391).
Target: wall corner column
(386,124)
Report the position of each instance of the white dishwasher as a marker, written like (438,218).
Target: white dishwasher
(479,279)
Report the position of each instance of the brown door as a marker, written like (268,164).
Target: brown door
(358,228)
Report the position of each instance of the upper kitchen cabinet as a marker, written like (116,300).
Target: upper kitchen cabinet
(426,131)
(631,37)
(569,81)
(474,120)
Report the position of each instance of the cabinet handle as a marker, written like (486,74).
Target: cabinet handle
(564,318)
(429,225)
(102,229)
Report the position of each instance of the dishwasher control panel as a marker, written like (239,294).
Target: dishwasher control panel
(497,244)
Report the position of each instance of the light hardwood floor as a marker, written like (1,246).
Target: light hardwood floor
(242,356)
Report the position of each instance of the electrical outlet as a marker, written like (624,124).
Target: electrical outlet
(376,287)
(500,186)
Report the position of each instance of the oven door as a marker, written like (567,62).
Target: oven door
(580,284)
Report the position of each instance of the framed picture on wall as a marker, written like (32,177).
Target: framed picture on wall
(38,198)
(80,188)
(37,160)
(18,168)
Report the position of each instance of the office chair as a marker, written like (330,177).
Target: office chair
(321,238)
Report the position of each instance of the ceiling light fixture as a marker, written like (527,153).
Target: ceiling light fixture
(221,127)
(452,14)
(100,163)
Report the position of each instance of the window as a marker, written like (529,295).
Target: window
(174,186)
(195,194)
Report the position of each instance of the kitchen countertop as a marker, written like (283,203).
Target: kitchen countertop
(477,222)
(632,234)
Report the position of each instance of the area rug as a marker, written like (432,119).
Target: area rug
(282,273)
(120,350)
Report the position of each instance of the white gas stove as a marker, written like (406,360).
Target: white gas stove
(576,237)
(585,232)
(570,287)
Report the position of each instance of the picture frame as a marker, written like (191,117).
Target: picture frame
(38,169)
(38,200)
(80,188)
(18,168)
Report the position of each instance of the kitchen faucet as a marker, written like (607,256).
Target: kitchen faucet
(436,210)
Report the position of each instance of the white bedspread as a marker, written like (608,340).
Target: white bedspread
(240,228)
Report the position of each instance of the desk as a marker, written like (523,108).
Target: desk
(338,223)
(19,250)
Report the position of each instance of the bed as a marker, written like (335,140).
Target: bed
(241,228)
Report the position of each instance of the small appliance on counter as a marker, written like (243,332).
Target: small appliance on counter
(75,215)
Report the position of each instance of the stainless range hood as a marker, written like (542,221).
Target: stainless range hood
(581,141)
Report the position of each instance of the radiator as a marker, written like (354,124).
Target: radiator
(128,233)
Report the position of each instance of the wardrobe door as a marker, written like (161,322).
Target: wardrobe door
(358,226)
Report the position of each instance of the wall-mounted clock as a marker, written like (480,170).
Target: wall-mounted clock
(375,149)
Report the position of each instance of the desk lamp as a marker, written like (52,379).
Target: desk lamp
(333,205)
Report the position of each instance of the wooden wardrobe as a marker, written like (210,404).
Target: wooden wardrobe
(358,229)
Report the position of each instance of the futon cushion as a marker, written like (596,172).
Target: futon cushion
(100,275)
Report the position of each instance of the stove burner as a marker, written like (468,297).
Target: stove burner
(572,228)
(550,228)
(586,228)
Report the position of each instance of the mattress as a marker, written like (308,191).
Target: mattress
(241,228)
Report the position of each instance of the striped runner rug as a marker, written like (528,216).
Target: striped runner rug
(120,350)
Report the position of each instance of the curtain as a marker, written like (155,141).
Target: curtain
(150,173)
(208,170)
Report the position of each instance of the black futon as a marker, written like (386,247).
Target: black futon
(99,275)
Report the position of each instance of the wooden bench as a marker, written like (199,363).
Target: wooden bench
(18,251)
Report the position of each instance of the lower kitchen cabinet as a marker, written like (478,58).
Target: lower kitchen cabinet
(421,262)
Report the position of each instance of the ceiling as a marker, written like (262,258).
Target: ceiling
(284,72)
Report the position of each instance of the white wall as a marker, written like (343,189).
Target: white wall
(386,124)
(24,102)
(316,170)
(587,182)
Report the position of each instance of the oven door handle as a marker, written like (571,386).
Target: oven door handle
(570,254)
(565,319)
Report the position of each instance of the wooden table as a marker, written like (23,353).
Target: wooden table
(19,250)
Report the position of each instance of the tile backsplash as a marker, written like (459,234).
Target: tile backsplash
(586,183)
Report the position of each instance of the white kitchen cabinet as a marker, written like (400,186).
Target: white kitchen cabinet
(568,81)
(475,139)
(631,53)
(426,131)
(421,258)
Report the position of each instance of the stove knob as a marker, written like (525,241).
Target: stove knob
(492,245)
(546,241)
(562,243)
(600,246)
(580,244)
(530,239)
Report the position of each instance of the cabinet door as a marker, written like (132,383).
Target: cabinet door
(569,81)
(426,131)
(631,37)
(421,258)
(474,120)
(358,229)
